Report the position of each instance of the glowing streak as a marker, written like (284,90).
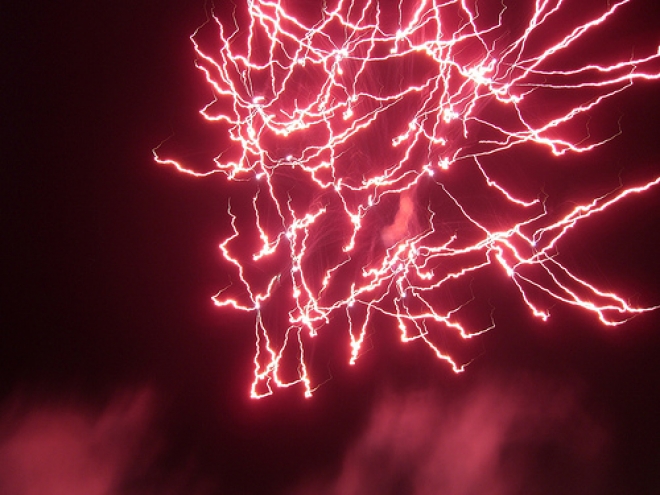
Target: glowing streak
(337,121)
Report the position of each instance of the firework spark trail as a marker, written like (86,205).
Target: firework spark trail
(338,117)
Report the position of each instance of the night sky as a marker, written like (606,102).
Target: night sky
(119,376)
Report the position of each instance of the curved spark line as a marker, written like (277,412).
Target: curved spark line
(348,123)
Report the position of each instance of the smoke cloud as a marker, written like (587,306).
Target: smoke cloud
(527,437)
(75,449)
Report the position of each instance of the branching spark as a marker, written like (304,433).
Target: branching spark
(350,119)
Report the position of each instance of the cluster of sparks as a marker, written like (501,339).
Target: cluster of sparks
(361,133)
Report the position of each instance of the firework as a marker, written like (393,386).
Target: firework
(375,141)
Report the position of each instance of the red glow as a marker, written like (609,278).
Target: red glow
(354,125)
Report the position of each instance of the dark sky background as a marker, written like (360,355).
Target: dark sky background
(118,375)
